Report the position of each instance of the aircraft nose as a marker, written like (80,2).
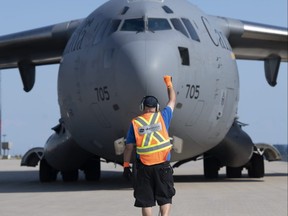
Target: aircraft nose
(142,65)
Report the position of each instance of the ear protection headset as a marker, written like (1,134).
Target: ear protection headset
(142,105)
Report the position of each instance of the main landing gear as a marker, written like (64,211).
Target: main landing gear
(255,167)
(91,169)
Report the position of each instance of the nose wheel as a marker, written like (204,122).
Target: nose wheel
(47,173)
(70,176)
(211,166)
(92,169)
(256,166)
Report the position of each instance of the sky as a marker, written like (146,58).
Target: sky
(27,118)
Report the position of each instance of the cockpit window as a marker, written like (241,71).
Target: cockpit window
(113,26)
(105,29)
(157,24)
(167,9)
(133,25)
(125,9)
(100,31)
(153,24)
(179,26)
(191,29)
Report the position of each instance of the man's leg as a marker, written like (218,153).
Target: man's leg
(147,211)
(165,209)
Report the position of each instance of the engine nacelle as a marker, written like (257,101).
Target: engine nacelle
(236,148)
(62,152)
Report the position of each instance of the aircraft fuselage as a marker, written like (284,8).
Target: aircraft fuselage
(121,52)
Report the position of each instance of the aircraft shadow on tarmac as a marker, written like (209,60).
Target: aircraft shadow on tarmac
(28,181)
(222,178)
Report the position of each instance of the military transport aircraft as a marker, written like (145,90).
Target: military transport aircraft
(118,54)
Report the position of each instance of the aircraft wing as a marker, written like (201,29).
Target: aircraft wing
(41,46)
(45,45)
(253,41)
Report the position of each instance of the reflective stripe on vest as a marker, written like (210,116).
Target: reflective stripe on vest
(151,129)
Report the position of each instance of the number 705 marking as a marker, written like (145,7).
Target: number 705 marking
(193,91)
(102,93)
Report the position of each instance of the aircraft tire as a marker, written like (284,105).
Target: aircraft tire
(70,176)
(92,169)
(211,167)
(256,168)
(233,172)
(46,172)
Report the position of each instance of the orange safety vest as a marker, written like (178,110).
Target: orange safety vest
(152,139)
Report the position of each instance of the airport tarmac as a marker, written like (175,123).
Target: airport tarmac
(21,193)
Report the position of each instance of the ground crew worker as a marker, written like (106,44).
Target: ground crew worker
(154,181)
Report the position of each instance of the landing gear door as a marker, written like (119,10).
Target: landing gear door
(119,146)
(177,144)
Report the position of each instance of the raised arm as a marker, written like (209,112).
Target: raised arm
(171,92)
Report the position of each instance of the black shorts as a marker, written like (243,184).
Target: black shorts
(154,183)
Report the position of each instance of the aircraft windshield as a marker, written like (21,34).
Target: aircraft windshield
(133,25)
(154,24)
